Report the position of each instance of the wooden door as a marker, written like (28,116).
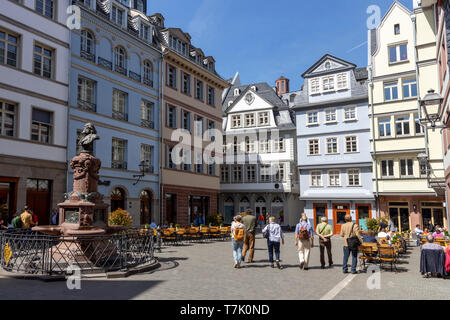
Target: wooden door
(339,213)
(39,203)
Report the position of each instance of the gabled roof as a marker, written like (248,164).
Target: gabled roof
(347,65)
(263,90)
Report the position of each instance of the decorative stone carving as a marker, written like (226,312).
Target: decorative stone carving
(85,173)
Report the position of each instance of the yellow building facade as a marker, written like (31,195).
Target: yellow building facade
(402,68)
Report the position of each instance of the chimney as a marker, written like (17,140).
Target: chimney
(282,85)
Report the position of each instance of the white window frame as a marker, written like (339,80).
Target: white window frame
(348,110)
(236,118)
(336,175)
(252,118)
(335,115)
(267,170)
(409,85)
(403,122)
(390,85)
(351,173)
(387,168)
(308,118)
(315,144)
(407,172)
(384,124)
(336,142)
(314,86)
(328,83)
(351,144)
(315,178)
(341,81)
(397,48)
(265,117)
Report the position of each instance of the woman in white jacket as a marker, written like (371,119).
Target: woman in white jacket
(273,242)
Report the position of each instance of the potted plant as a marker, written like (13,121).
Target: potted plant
(120,217)
(177,226)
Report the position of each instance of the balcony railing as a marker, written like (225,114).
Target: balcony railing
(88,56)
(120,69)
(149,169)
(104,63)
(85,105)
(118,164)
(134,76)
(119,115)
(148,82)
(147,123)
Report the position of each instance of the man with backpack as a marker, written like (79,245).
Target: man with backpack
(325,232)
(237,240)
(352,240)
(304,233)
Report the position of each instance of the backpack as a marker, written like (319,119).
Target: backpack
(303,233)
(17,222)
(238,234)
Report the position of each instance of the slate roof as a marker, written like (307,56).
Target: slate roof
(284,118)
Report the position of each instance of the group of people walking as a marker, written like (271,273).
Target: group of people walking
(243,230)
(26,219)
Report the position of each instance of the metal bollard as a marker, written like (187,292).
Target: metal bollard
(158,239)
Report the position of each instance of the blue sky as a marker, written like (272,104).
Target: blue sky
(265,39)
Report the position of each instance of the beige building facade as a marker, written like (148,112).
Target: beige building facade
(402,68)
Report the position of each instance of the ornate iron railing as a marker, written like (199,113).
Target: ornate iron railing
(104,63)
(147,123)
(134,76)
(118,164)
(120,69)
(119,115)
(148,82)
(28,252)
(88,56)
(85,105)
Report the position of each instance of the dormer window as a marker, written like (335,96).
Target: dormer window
(178,45)
(117,15)
(253,88)
(236,92)
(198,59)
(230,103)
(144,31)
(140,5)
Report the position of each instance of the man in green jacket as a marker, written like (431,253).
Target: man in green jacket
(325,232)
(249,221)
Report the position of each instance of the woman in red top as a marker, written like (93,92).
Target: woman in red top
(261,221)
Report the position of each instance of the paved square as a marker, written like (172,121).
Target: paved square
(203,271)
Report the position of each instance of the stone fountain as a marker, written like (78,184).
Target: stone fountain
(83,213)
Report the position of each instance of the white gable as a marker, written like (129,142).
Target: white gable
(331,64)
(258,103)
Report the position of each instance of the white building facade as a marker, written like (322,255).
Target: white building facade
(259,155)
(34,64)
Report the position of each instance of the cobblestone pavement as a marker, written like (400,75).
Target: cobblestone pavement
(203,271)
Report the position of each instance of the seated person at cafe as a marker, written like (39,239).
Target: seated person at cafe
(430,244)
(383,234)
(370,237)
(438,233)
(419,233)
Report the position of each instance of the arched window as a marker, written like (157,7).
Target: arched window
(146,207)
(148,73)
(120,57)
(87,42)
(277,200)
(117,199)
(237,92)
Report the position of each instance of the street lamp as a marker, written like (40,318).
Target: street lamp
(432,115)
(143,166)
(423,163)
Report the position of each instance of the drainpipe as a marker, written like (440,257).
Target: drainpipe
(369,69)
(161,110)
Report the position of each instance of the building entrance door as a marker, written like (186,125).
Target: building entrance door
(320,210)
(260,207)
(38,199)
(339,213)
(363,212)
